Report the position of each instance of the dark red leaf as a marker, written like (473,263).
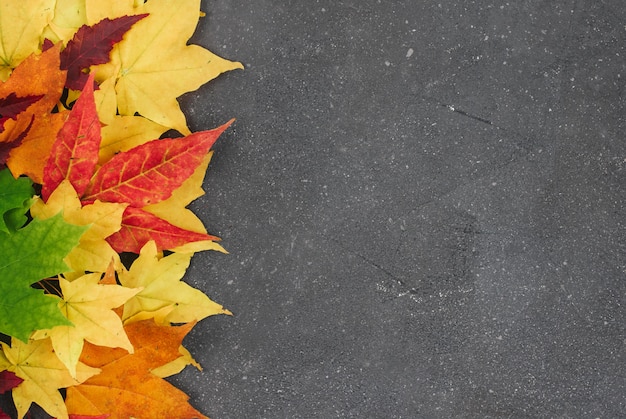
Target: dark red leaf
(6,147)
(8,381)
(74,153)
(92,45)
(47,44)
(87,417)
(139,227)
(12,105)
(149,173)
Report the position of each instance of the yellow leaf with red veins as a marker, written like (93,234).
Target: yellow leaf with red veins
(43,373)
(88,305)
(155,53)
(21,24)
(93,253)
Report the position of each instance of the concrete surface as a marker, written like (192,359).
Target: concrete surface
(424,205)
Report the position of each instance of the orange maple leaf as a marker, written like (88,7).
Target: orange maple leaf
(36,75)
(125,387)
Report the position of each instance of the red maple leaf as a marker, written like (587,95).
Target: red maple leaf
(92,45)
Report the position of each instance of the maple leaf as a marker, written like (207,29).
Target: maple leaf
(177,365)
(173,210)
(43,374)
(163,292)
(139,227)
(88,305)
(69,15)
(13,105)
(15,195)
(91,45)
(123,133)
(74,154)
(154,52)
(8,146)
(101,219)
(149,173)
(36,75)
(143,175)
(21,23)
(125,386)
(30,254)
(8,381)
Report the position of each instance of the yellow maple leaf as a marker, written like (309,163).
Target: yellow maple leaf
(154,52)
(93,253)
(88,305)
(164,296)
(69,15)
(21,24)
(43,373)
(98,9)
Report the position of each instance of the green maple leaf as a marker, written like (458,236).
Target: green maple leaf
(28,255)
(15,195)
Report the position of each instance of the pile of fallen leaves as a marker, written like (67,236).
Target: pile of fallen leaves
(87,90)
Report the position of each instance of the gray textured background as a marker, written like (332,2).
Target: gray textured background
(424,205)
(391,257)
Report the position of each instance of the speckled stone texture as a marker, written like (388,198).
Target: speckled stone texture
(424,205)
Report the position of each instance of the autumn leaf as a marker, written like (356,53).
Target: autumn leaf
(125,386)
(139,227)
(101,219)
(30,254)
(123,133)
(21,23)
(36,75)
(91,45)
(12,105)
(69,15)
(88,305)
(173,211)
(74,154)
(177,365)
(149,173)
(15,195)
(8,381)
(15,142)
(163,291)
(43,373)
(154,52)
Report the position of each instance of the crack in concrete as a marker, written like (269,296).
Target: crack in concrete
(469,115)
